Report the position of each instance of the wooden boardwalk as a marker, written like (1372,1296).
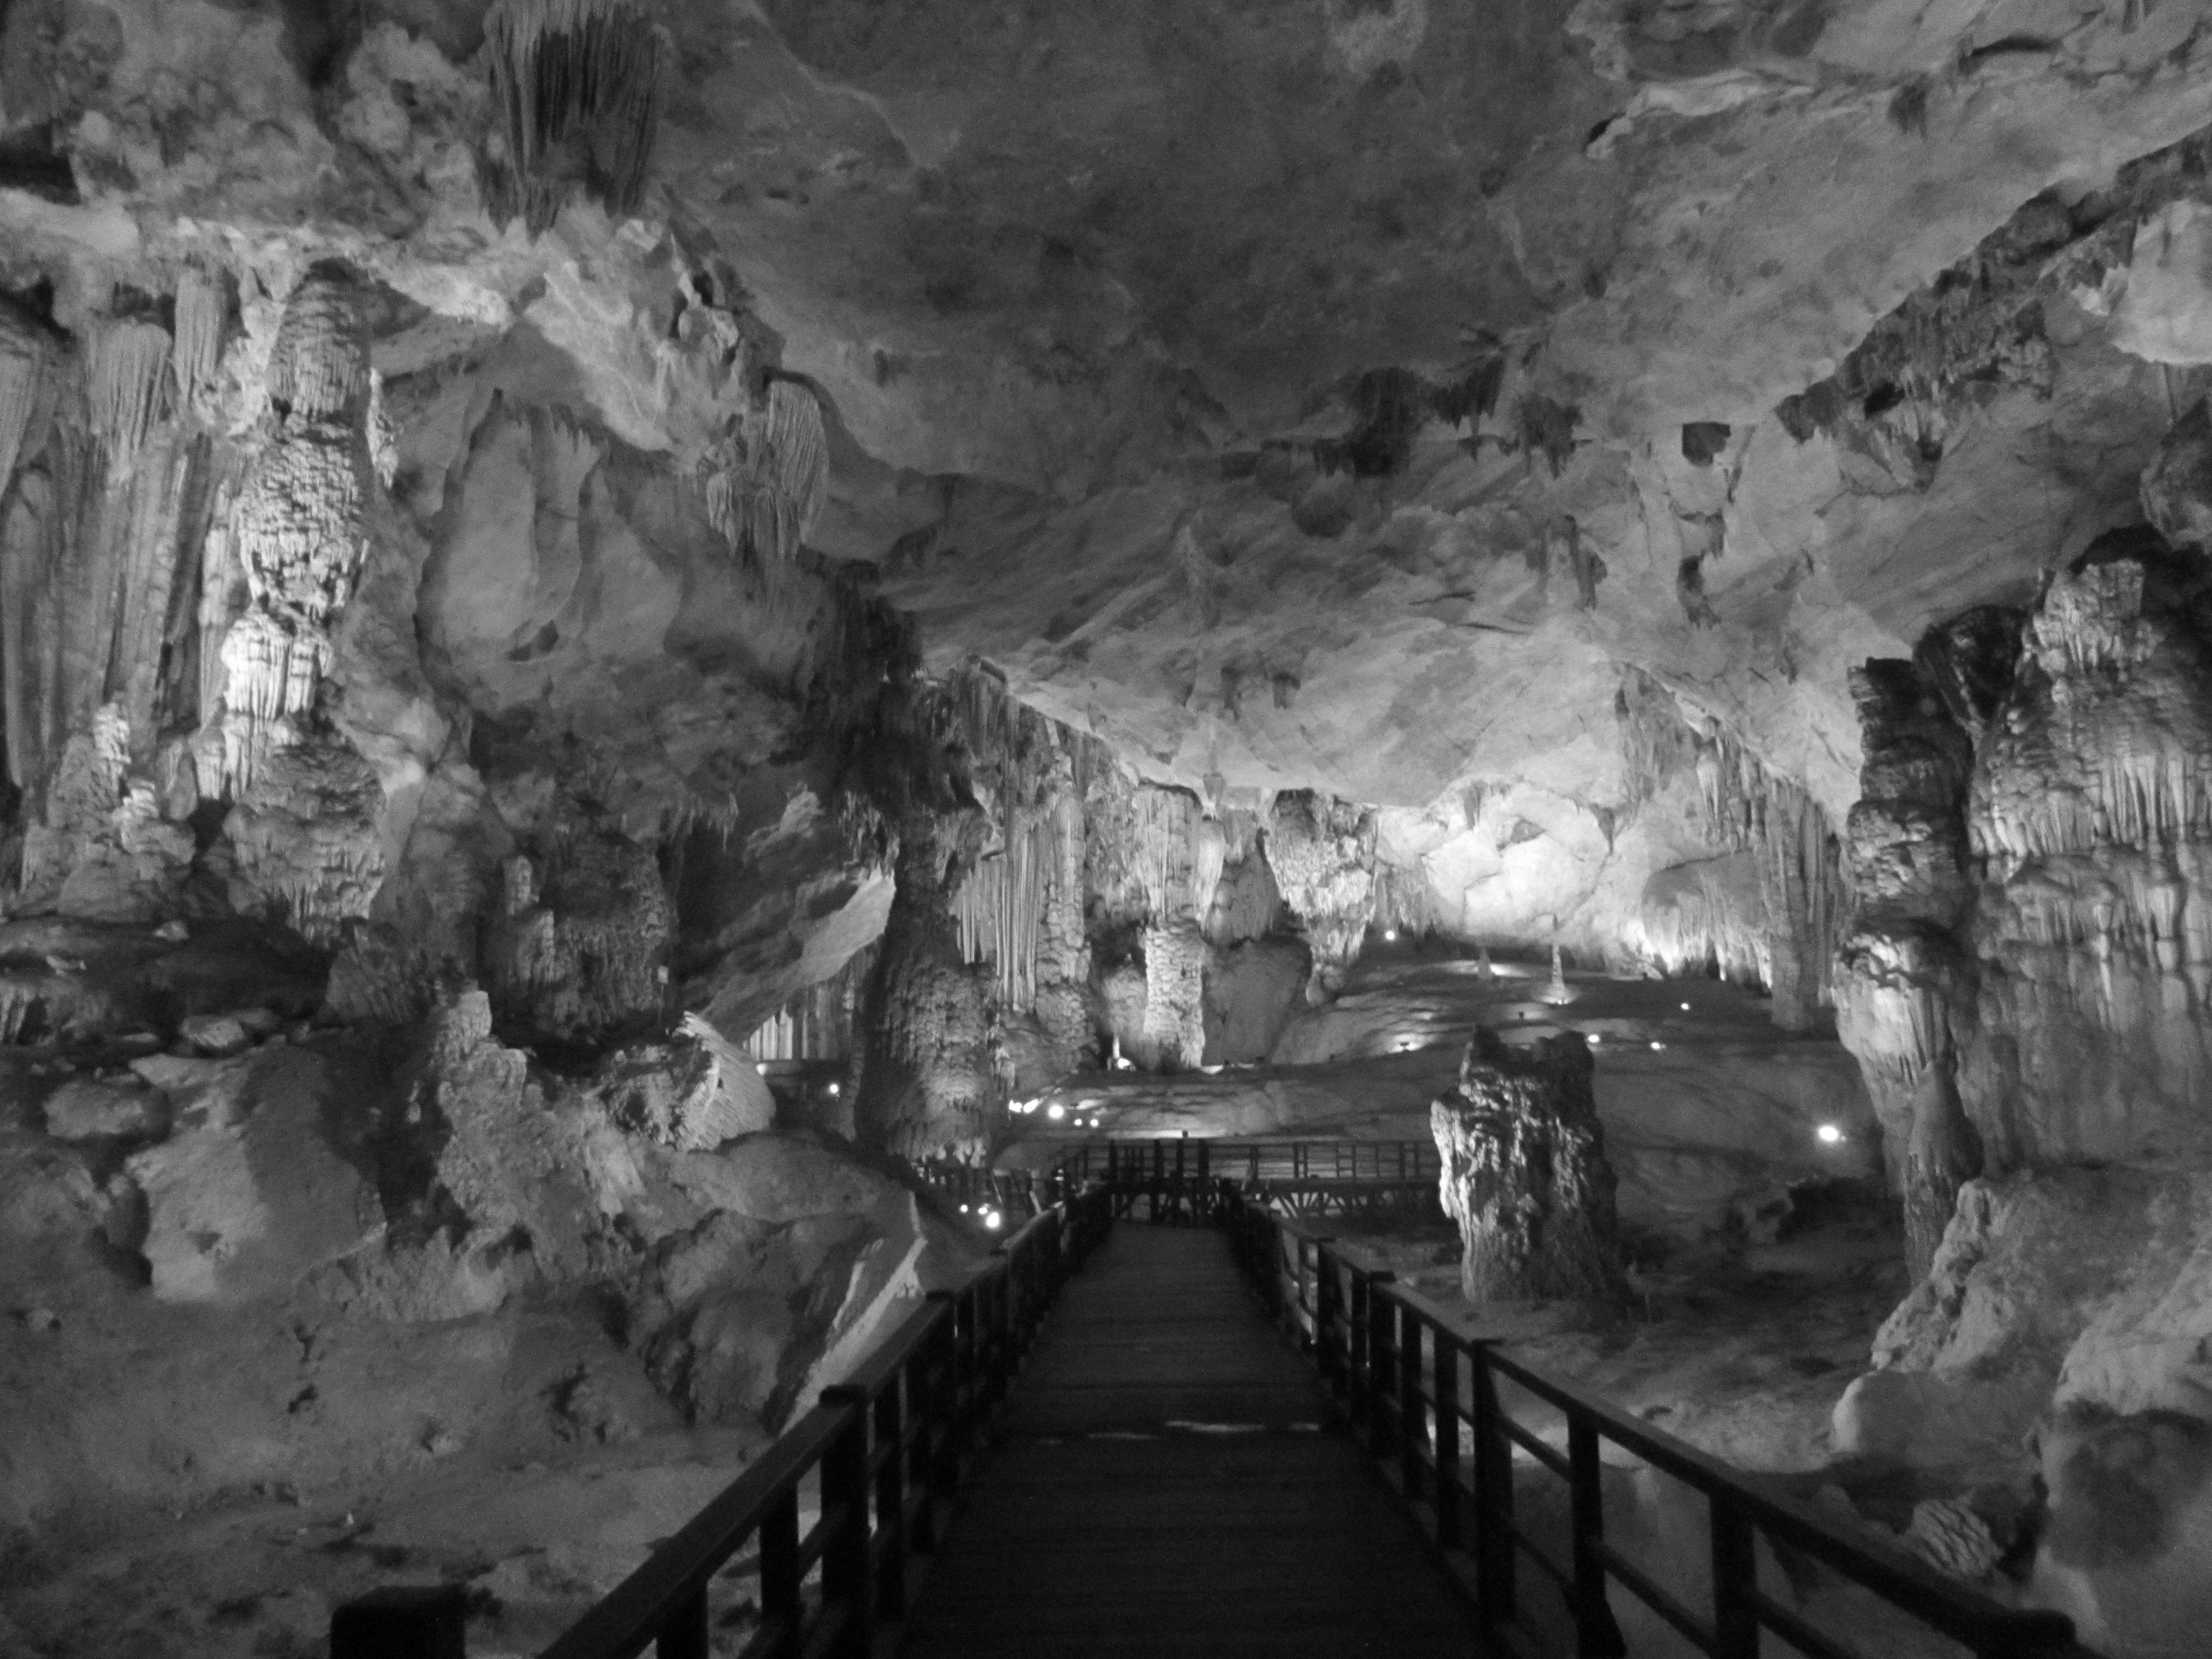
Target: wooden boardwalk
(1161,1484)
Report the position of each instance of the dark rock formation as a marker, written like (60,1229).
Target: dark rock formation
(1524,1172)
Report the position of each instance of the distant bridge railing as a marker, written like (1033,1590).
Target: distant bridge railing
(881,1452)
(1405,1374)
(1185,1175)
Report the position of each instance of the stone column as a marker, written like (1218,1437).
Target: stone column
(1524,1171)
(926,1084)
(1900,975)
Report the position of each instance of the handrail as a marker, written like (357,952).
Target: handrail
(1377,1343)
(888,1445)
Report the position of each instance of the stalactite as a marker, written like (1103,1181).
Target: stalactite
(319,367)
(203,310)
(27,545)
(53,650)
(151,554)
(773,476)
(26,363)
(818,1024)
(579,88)
(221,598)
(999,908)
(1783,931)
(127,387)
(1322,852)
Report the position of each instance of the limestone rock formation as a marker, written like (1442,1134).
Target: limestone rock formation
(1899,971)
(555,553)
(1524,1172)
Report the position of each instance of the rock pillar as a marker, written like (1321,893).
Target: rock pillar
(1524,1171)
(1898,974)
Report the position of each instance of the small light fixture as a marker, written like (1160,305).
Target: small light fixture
(1594,1039)
(1685,1007)
(1658,1045)
(964,1209)
(1389,935)
(1055,1111)
(992,1218)
(836,1089)
(761,1065)
(1829,1135)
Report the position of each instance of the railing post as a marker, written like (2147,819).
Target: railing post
(1493,1494)
(1328,1313)
(893,1409)
(781,1603)
(1355,1360)
(846,1588)
(1735,1574)
(1411,1422)
(402,1622)
(1443,1384)
(684,1635)
(1300,1275)
(1596,1635)
(1382,1369)
(931,1465)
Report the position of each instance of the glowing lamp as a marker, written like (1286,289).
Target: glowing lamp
(1055,1111)
(761,1065)
(1829,1135)
(992,1218)
(836,1089)
(1657,1046)
(1685,1007)
(1389,935)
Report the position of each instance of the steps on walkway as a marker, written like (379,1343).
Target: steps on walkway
(1162,1485)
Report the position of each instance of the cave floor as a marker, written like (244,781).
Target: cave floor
(255,1576)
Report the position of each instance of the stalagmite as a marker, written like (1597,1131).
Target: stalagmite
(579,86)
(1525,1174)
(296,530)
(1556,992)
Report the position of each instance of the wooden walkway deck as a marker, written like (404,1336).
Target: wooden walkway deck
(1161,1484)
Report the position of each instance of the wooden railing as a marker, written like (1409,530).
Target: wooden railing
(884,1450)
(1409,1377)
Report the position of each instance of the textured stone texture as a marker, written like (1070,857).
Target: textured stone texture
(1524,1172)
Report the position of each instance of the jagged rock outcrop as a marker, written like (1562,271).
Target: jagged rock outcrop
(252,1190)
(2089,816)
(1524,1172)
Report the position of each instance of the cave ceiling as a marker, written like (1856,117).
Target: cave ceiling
(1294,394)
